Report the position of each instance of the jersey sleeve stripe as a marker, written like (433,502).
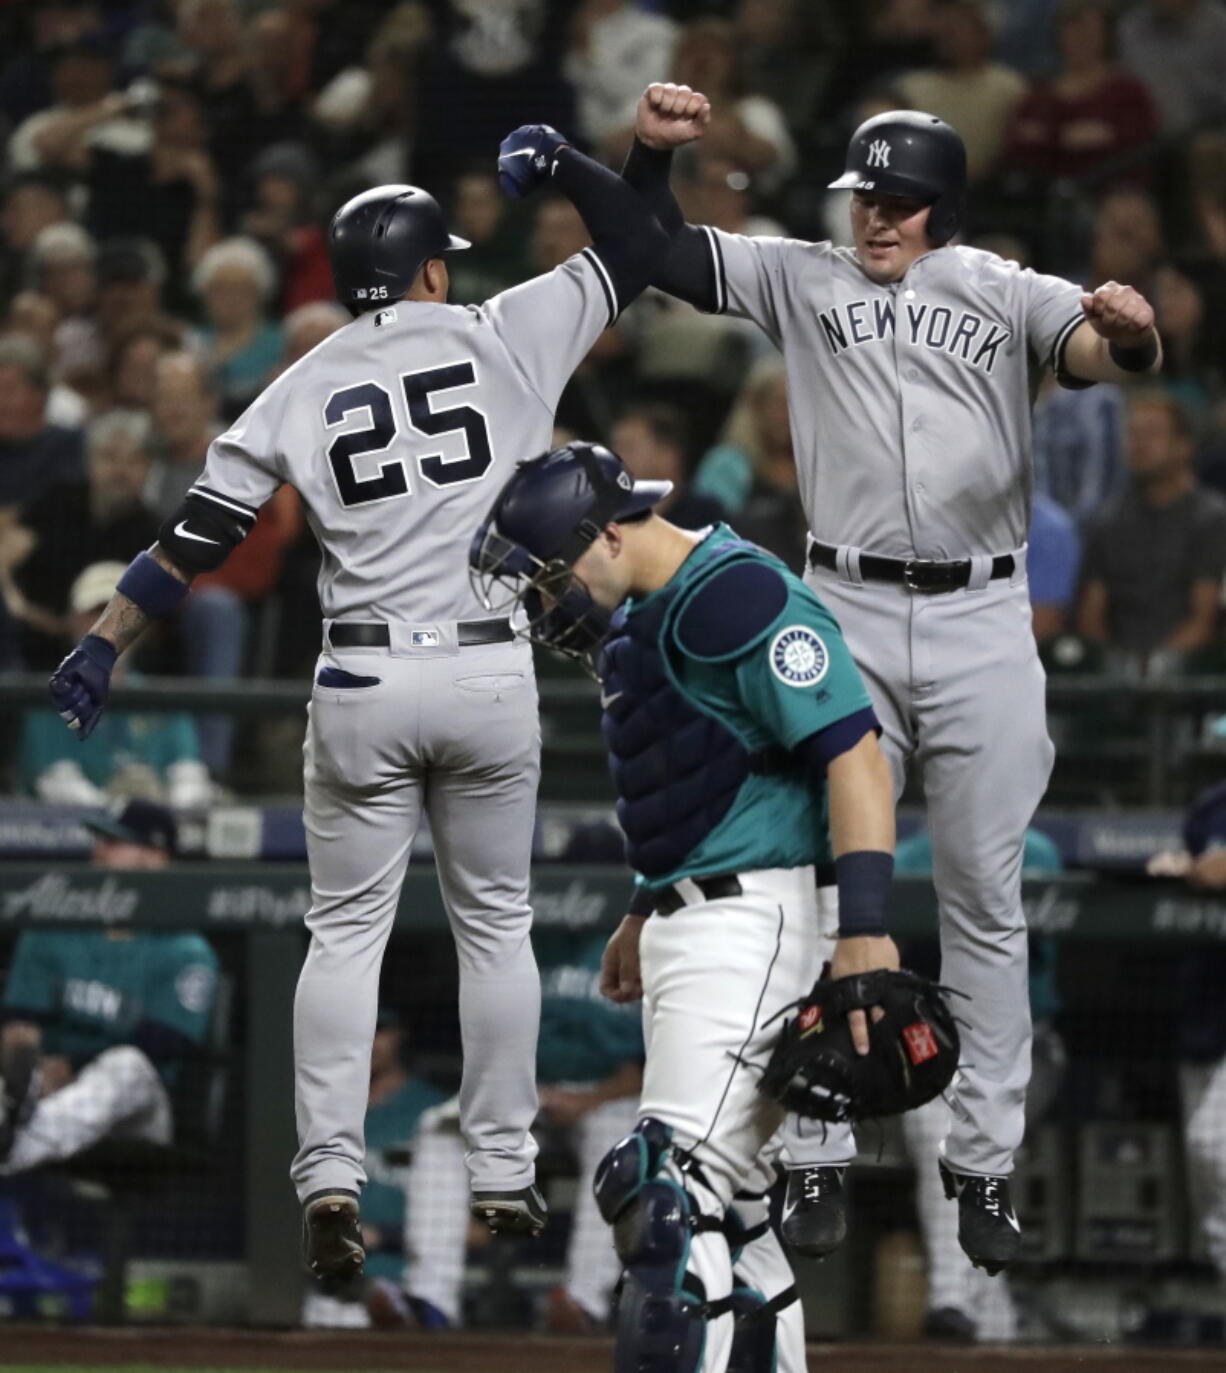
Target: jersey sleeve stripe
(1062,338)
(717,263)
(245,512)
(606,281)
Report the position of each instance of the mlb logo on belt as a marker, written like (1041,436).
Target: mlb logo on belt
(920,1041)
(424,638)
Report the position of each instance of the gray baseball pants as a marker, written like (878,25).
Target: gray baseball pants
(453,734)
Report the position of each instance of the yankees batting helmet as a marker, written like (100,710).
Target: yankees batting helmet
(549,513)
(909,153)
(379,240)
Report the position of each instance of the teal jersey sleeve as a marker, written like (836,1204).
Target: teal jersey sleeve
(180,996)
(390,1128)
(172,740)
(34,981)
(800,678)
(583,1036)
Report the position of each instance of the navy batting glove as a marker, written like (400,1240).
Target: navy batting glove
(82,682)
(526,158)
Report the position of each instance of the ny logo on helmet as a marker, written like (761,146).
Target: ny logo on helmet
(879,153)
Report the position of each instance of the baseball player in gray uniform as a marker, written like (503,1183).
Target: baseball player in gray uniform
(909,378)
(396,431)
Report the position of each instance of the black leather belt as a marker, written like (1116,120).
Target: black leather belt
(669,900)
(916,574)
(376,634)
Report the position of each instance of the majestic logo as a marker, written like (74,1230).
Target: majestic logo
(424,638)
(921,1042)
(798,656)
(879,153)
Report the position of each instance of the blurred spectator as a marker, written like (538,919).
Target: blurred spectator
(185,422)
(1178,48)
(884,39)
(616,50)
(25,83)
(235,281)
(1090,111)
(98,1023)
(308,326)
(491,64)
(966,89)
(1053,560)
(789,50)
(1206,180)
(169,193)
(1078,443)
(747,129)
(36,318)
(1128,239)
(1154,563)
(87,113)
(154,756)
(259,105)
(487,219)
(32,202)
(370,112)
(752,472)
(281,219)
(1026,36)
(652,441)
(62,268)
(131,365)
(1200,1024)
(1192,342)
(589,1070)
(34,454)
(76,523)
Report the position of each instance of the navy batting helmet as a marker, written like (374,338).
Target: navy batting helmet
(379,240)
(909,153)
(549,513)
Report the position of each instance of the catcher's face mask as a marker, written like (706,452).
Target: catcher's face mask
(546,517)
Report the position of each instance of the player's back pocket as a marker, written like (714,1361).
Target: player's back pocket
(349,681)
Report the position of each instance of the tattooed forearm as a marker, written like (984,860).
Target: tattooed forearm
(123,621)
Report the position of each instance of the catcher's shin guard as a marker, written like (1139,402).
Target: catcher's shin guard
(753,1332)
(662,1311)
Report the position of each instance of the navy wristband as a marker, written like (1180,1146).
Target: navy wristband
(1138,359)
(148,585)
(863,879)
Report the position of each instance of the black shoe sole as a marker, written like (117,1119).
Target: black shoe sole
(332,1250)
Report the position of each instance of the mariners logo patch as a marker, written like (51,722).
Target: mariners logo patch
(798,656)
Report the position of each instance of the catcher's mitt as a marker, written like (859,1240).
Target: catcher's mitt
(913,1049)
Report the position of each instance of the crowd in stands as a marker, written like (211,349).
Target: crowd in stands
(169,168)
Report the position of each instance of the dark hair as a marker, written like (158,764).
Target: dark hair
(52,182)
(667,425)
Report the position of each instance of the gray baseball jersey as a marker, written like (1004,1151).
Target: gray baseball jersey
(400,428)
(909,401)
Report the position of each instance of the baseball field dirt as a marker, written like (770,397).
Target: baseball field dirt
(34,1349)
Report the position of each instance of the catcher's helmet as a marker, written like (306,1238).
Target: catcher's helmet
(378,241)
(909,153)
(549,513)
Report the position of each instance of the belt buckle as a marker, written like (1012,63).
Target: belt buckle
(928,576)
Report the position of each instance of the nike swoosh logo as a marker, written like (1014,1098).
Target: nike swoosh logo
(607,701)
(184,533)
(523,152)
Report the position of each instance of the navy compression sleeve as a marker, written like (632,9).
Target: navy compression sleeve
(624,231)
(688,272)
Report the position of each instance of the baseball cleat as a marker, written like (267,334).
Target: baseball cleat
(987,1226)
(815,1211)
(331,1236)
(948,1323)
(511,1213)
